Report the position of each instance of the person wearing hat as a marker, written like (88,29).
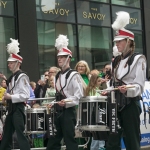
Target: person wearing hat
(127,69)
(68,87)
(18,92)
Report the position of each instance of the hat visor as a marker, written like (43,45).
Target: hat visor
(13,59)
(63,54)
(118,39)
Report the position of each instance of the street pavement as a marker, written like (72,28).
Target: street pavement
(146,148)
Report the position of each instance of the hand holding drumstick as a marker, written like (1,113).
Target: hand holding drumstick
(123,89)
(60,103)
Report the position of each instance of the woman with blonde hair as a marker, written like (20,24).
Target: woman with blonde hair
(83,68)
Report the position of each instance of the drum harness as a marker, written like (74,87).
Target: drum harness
(60,95)
(121,100)
(10,106)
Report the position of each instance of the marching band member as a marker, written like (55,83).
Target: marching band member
(127,69)
(68,87)
(18,92)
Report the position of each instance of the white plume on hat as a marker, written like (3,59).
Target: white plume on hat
(61,42)
(12,48)
(115,51)
(121,21)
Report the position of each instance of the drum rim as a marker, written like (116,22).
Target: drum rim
(94,128)
(94,98)
(34,132)
(35,110)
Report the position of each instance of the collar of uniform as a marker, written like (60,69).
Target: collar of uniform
(126,55)
(16,72)
(62,72)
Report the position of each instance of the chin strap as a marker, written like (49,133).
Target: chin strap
(65,62)
(124,51)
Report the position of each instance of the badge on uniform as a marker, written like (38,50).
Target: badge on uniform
(143,66)
(25,82)
(79,81)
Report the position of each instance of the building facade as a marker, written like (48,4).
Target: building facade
(87,23)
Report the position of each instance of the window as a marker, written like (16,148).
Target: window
(135,17)
(60,10)
(93,13)
(131,3)
(7,8)
(7,31)
(95,45)
(105,1)
(47,34)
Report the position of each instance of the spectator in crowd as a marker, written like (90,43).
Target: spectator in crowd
(84,70)
(95,71)
(52,72)
(33,85)
(50,92)
(3,84)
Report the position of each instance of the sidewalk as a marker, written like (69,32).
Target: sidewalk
(146,148)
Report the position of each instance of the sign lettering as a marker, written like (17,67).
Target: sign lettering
(113,120)
(3,4)
(57,11)
(133,21)
(40,121)
(90,15)
(101,113)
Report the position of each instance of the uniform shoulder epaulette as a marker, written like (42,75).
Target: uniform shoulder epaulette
(16,76)
(67,75)
(131,59)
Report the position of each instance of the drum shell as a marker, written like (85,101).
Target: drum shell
(93,114)
(36,120)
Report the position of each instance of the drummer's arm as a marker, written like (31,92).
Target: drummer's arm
(77,90)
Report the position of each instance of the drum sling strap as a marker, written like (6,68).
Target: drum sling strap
(10,106)
(130,61)
(60,94)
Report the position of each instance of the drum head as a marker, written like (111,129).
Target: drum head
(36,110)
(94,128)
(93,99)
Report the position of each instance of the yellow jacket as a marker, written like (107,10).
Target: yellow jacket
(2,91)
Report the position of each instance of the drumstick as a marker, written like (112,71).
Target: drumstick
(46,98)
(59,101)
(114,89)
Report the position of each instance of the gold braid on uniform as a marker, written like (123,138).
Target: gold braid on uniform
(132,48)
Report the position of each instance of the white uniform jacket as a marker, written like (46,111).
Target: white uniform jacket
(73,89)
(135,77)
(21,90)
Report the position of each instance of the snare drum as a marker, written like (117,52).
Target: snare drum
(93,113)
(35,120)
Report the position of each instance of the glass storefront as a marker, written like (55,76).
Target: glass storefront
(128,3)
(88,26)
(47,33)
(7,31)
(95,45)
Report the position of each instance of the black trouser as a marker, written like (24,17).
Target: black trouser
(15,121)
(130,127)
(65,122)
